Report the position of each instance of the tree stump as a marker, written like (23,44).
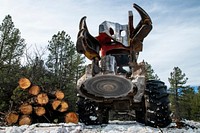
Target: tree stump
(24,83)
(71,117)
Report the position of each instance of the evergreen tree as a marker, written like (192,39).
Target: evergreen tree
(11,49)
(150,74)
(11,43)
(195,106)
(186,99)
(177,82)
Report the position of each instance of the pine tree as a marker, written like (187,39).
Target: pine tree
(150,74)
(195,106)
(186,99)
(11,43)
(11,49)
(177,82)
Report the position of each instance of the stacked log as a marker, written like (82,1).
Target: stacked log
(25,120)
(60,105)
(24,83)
(12,118)
(34,90)
(26,109)
(39,111)
(59,94)
(42,99)
(71,117)
(40,106)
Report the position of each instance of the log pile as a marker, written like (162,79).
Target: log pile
(40,106)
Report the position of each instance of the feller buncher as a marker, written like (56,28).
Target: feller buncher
(114,83)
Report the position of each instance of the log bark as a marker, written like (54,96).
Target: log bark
(24,83)
(25,120)
(71,117)
(26,109)
(34,90)
(42,99)
(12,118)
(39,111)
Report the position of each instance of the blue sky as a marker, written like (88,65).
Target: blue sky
(174,40)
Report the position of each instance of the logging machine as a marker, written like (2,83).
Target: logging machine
(114,84)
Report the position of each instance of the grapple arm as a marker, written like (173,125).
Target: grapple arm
(86,44)
(143,28)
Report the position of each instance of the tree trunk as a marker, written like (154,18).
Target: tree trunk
(24,83)
(12,118)
(26,109)
(177,111)
(71,117)
(34,90)
(25,120)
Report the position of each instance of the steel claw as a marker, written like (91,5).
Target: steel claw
(86,43)
(145,17)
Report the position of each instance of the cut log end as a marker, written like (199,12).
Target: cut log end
(42,99)
(24,120)
(64,106)
(60,106)
(39,111)
(26,109)
(34,90)
(55,104)
(12,118)
(71,117)
(59,94)
(24,83)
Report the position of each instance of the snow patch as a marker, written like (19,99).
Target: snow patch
(93,118)
(112,127)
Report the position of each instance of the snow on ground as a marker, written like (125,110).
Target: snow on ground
(112,127)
